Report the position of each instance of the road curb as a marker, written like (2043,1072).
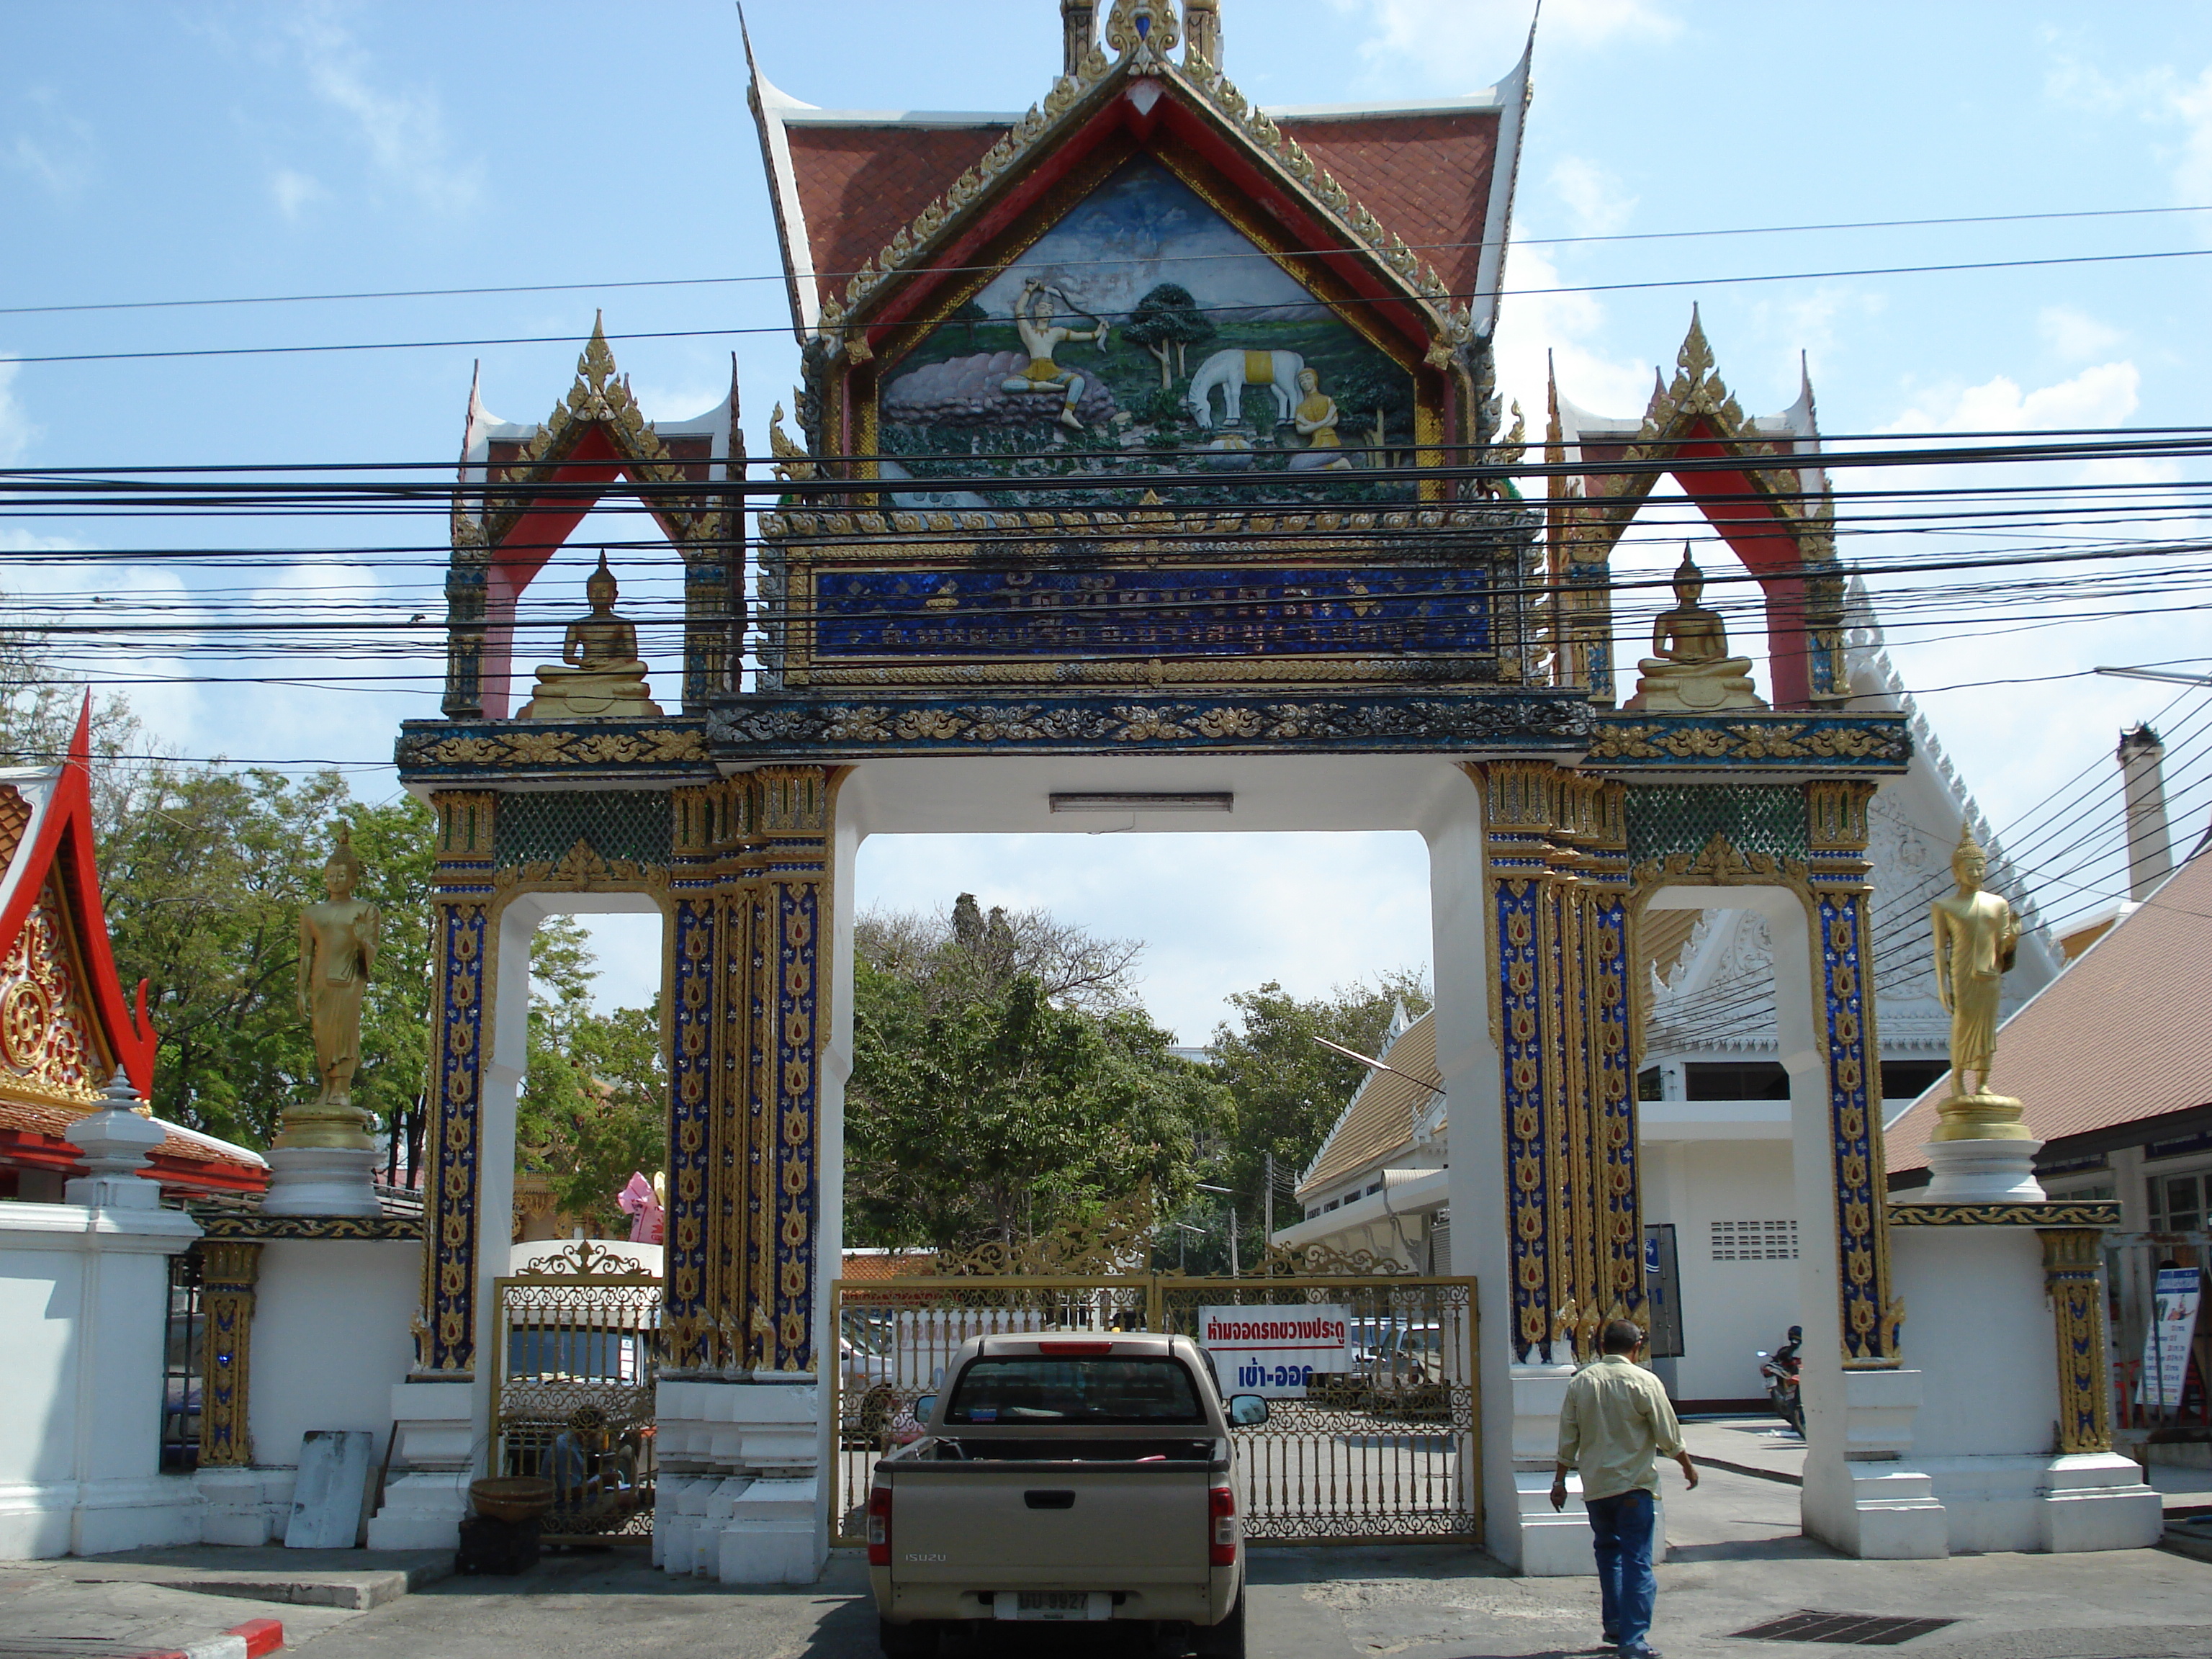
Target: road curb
(250,1640)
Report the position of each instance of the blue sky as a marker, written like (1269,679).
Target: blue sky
(210,150)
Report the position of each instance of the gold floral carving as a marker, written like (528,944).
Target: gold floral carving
(2071,1259)
(1746,741)
(47,1044)
(581,870)
(228,1269)
(567,749)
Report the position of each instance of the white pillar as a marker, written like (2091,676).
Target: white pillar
(1518,1433)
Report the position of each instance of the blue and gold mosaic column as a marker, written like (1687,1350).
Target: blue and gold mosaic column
(1556,884)
(461,893)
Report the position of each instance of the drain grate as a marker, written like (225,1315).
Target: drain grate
(1864,1630)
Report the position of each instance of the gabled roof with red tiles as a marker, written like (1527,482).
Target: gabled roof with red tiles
(1423,189)
(2123,1034)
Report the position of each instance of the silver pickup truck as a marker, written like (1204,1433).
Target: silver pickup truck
(1066,1477)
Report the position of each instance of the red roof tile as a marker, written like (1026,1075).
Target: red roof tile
(859,186)
(1426,178)
(2124,1033)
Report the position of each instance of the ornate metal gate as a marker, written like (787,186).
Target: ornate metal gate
(573,1395)
(1387,1451)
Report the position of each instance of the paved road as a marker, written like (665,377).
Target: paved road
(1737,1561)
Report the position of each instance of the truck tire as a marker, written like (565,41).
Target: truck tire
(917,1640)
(1226,1639)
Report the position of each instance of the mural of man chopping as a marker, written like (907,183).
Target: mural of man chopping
(1040,335)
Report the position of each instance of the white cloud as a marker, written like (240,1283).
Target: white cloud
(62,155)
(1593,196)
(295,192)
(405,131)
(1465,43)
(2160,96)
(1533,326)
(2075,335)
(2103,395)
(18,431)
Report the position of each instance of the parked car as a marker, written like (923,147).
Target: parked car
(1065,1479)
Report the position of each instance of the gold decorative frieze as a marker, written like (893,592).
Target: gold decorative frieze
(559,747)
(2071,1259)
(2055,1212)
(581,869)
(1740,739)
(228,1269)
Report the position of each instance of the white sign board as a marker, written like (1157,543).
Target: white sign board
(2166,1344)
(1275,1350)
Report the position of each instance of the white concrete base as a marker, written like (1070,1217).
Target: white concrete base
(1980,1172)
(97,1517)
(2068,1504)
(741,1496)
(436,1449)
(1538,1541)
(320,1181)
(422,1511)
(1858,1497)
(243,1506)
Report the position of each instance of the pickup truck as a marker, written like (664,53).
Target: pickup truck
(1066,1477)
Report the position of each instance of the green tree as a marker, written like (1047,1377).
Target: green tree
(1005,1084)
(1286,1090)
(1377,410)
(1167,323)
(592,1109)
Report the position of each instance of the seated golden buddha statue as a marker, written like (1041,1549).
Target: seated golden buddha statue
(1690,670)
(600,676)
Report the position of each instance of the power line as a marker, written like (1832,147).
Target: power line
(1393,300)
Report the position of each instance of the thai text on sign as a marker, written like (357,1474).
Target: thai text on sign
(1276,1351)
(2166,1344)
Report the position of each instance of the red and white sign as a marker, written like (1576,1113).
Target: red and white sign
(1275,1350)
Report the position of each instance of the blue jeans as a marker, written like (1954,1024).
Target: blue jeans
(1620,1531)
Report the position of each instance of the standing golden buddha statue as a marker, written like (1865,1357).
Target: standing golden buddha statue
(338,941)
(1977,933)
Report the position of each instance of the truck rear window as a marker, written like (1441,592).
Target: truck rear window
(1018,1388)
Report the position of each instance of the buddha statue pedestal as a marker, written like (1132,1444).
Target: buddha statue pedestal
(574,694)
(600,676)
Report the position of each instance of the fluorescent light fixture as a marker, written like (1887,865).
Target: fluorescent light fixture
(1182,801)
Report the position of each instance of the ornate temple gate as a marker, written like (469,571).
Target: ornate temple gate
(953,632)
(1386,1452)
(573,1390)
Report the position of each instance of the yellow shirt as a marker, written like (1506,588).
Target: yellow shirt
(1616,1421)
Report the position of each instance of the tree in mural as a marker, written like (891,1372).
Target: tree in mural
(1378,410)
(1167,323)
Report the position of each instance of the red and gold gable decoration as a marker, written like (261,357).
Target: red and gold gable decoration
(50,1046)
(64,1026)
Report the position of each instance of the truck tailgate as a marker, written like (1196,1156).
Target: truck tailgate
(984,1524)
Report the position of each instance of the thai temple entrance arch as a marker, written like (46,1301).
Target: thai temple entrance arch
(1217,515)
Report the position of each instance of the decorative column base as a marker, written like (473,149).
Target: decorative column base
(1548,1543)
(1980,1172)
(741,1496)
(422,1508)
(320,1181)
(1858,1497)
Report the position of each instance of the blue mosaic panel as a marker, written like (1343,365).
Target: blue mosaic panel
(1521,1040)
(457,1128)
(691,1063)
(1842,922)
(1213,612)
(797,1098)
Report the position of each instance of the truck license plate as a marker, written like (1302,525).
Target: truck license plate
(1054,1604)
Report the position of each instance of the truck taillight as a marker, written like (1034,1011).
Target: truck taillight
(1221,1548)
(879,1526)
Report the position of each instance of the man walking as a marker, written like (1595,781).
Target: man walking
(1616,1420)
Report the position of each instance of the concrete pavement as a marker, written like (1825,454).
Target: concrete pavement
(1736,1561)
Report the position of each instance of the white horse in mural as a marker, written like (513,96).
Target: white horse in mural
(1233,371)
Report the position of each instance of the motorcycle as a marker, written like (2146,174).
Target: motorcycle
(1778,1370)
